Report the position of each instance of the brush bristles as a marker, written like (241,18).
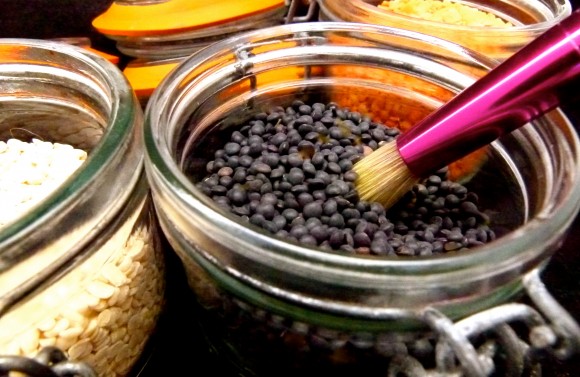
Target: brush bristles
(383,176)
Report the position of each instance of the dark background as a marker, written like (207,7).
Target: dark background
(52,19)
(165,355)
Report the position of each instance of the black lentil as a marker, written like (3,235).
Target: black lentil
(289,171)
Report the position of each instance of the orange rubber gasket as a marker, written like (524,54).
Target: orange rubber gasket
(176,15)
(112,58)
(145,78)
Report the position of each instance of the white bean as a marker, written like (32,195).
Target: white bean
(80,349)
(100,289)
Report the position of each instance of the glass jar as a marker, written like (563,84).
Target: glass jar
(157,33)
(82,270)
(270,306)
(528,20)
(151,30)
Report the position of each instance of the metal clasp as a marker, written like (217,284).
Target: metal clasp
(49,362)
(522,334)
(293,7)
(243,65)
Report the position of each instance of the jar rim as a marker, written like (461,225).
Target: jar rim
(108,81)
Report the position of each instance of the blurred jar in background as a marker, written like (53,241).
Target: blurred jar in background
(494,28)
(157,35)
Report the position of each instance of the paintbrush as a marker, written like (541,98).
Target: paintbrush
(538,78)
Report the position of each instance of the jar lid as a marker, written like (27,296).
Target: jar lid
(157,47)
(173,16)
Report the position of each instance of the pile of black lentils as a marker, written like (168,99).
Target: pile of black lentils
(289,171)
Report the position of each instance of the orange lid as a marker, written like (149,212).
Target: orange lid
(144,78)
(176,15)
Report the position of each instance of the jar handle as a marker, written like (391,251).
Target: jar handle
(551,330)
(561,321)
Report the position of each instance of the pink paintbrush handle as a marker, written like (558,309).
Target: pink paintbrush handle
(536,79)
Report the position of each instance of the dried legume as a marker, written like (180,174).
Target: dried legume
(296,182)
(93,314)
(29,172)
(445,11)
(103,310)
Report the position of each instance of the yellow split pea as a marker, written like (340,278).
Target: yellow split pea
(445,11)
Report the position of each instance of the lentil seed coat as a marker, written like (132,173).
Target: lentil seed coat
(300,169)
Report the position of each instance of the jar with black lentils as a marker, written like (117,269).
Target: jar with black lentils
(81,265)
(250,161)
